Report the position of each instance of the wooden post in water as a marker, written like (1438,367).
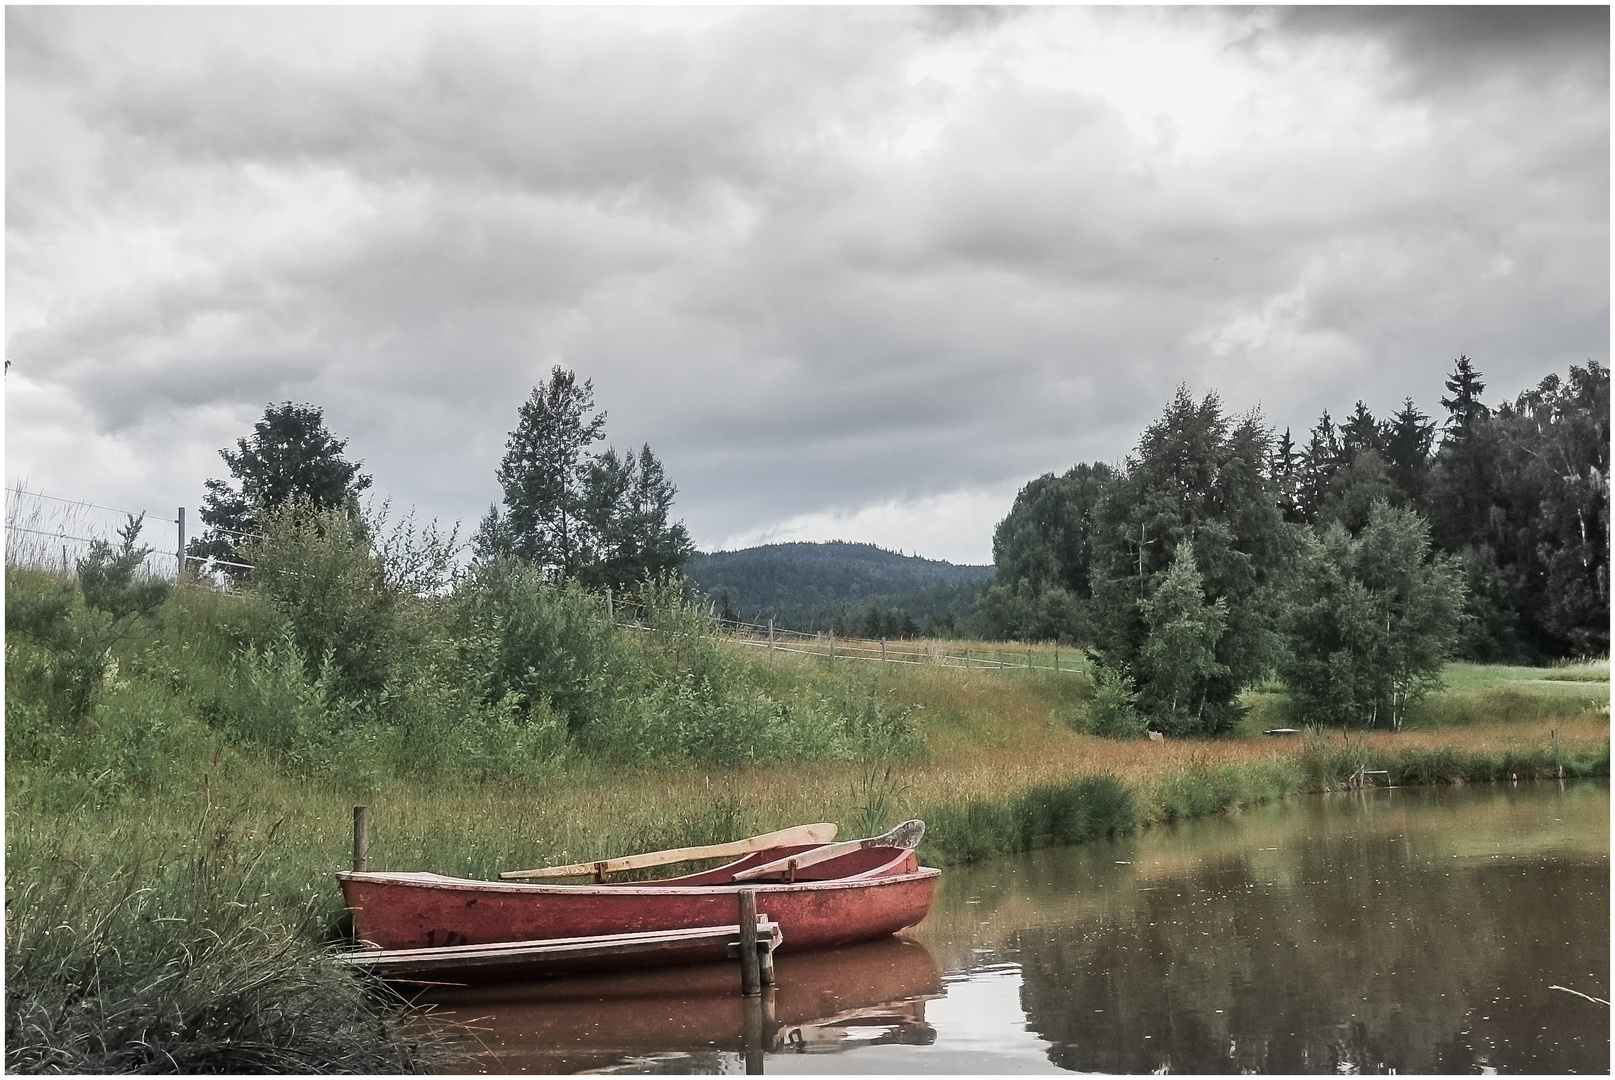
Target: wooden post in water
(361,839)
(750,973)
(753,1034)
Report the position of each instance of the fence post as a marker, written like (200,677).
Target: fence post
(361,839)
(883,650)
(181,549)
(1057,658)
(832,646)
(610,612)
(771,633)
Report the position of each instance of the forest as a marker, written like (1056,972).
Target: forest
(848,589)
(1352,564)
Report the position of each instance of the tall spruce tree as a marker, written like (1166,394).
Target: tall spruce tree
(1286,474)
(1408,437)
(599,518)
(1359,434)
(545,475)
(1465,465)
(289,454)
(1319,463)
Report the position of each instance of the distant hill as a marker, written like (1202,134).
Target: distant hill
(855,589)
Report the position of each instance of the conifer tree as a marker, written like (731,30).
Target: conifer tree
(600,518)
(289,454)
(1408,437)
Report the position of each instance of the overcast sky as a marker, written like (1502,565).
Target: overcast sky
(853,273)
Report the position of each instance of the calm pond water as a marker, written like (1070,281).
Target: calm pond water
(1427,930)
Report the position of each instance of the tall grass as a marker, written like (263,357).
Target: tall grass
(142,963)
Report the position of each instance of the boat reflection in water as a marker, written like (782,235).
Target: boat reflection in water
(693,1019)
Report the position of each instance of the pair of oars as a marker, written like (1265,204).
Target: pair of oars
(905,835)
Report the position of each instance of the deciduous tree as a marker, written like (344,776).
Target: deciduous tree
(1370,621)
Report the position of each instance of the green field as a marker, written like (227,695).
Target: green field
(170,847)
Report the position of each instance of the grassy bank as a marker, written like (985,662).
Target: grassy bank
(173,828)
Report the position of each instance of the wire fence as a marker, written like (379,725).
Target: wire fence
(930,652)
(53,533)
(897,651)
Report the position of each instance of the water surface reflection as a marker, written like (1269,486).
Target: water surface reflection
(1416,930)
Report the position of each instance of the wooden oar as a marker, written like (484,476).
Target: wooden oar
(906,835)
(822,833)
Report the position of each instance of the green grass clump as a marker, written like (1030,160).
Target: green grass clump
(176,965)
(1044,816)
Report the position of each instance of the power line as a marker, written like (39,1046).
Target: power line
(90,505)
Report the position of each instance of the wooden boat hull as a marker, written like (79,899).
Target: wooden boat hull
(876,894)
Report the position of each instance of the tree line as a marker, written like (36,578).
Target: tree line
(1352,566)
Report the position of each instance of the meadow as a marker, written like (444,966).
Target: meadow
(170,848)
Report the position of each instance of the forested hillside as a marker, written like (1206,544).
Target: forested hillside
(848,588)
(1287,543)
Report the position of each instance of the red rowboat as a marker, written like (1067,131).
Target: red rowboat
(868,892)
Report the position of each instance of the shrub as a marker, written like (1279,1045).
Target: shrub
(1113,713)
(317,566)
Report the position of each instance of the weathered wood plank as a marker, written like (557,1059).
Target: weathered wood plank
(821,833)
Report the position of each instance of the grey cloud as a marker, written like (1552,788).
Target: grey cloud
(711,225)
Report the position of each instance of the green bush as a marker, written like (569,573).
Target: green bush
(521,635)
(318,567)
(1113,713)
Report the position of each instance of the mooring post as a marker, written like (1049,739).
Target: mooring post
(753,1034)
(750,973)
(361,839)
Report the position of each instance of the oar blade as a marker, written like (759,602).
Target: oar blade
(907,835)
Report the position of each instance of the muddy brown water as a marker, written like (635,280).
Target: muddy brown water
(1425,930)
